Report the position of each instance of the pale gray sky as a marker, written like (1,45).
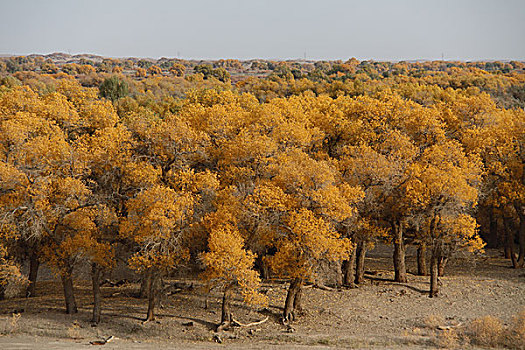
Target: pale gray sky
(324,29)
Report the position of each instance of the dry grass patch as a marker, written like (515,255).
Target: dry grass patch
(516,331)
(433,321)
(11,324)
(449,339)
(486,331)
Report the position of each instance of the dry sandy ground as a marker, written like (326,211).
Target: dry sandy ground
(379,314)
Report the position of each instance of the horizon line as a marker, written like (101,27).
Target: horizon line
(268,59)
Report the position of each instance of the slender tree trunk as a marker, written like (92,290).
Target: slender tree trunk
(360,262)
(434,288)
(289,309)
(348,268)
(513,257)
(338,274)
(145,284)
(226,314)
(509,243)
(298,300)
(521,255)
(34,264)
(442,263)
(400,270)
(521,236)
(67,283)
(152,296)
(493,229)
(262,266)
(422,269)
(506,251)
(96,273)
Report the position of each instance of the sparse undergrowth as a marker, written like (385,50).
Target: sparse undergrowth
(379,314)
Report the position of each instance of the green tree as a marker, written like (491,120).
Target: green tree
(113,88)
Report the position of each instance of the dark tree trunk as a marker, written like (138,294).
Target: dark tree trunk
(226,314)
(289,304)
(348,268)
(442,263)
(521,255)
(400,270)
(34,264)
(152,296)
(96,274)
(521,236)
(434,288)
(145,285)
(493,229)
(422,269)
(298,300)
(509,243)
(262,267)
(506,251)
(513,257)
(360,262)
(67,283)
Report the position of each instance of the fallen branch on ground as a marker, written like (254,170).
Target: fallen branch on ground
(447,328)
(323,287)
(102,342)
(239,324)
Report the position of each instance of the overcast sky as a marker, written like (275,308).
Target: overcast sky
(280,29)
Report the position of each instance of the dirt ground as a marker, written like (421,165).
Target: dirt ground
(379,314)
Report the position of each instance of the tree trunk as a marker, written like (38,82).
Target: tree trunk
(434,288)
(289,304)
(513,257)
(493,229)
(96,273)
(145,285)
(360,262)
(400,270)
(226,314)
(152,296)
(67,283)
(506,251)
(442,263)
(338,273)
(298,300)
(34,264)
(348,268)
(509,243)
(262,267)
(422,269)
(521,237)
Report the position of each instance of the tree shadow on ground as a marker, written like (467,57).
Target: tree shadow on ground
(389,281)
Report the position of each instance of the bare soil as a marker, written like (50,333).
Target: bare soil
(379,314)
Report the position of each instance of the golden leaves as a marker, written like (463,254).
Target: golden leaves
(156,219)
(309,239)
(227,262)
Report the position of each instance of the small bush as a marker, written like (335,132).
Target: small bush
(73,332)
(448,339)
(516,333)
(11,324)
(433,321)
(486,331)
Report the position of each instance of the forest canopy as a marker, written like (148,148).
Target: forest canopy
(249,170)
